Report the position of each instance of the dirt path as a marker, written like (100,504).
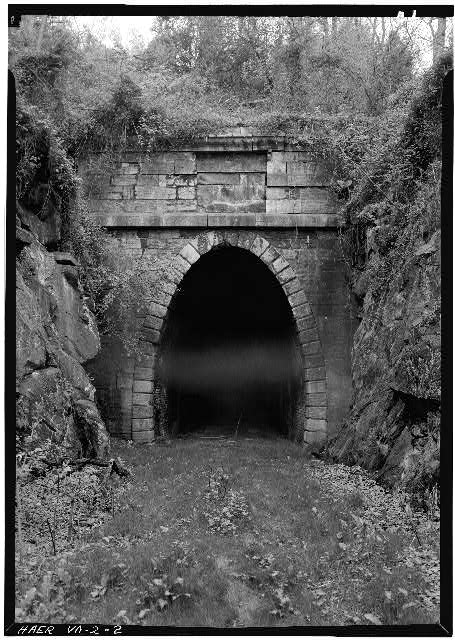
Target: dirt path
(248,533)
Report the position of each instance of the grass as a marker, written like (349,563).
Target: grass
(239,533)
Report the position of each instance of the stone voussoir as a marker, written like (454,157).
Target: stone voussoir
(311,347)
(316,412)
(302,311)
(269,255)
(259,246)
(144,373)
(190,253)
(305,323)
(280,264)
(142,411)
(297,298)
(152,322)
(308,335)
(142,424)
(314,437)
(315,373)
(315,386)
(316,399)
(314,424)
(143,436)
(287,275)
(148,347)
(157,310)
(161,297)
(150,335)
(142,399)
(245,240)
(143,386)
(181,265)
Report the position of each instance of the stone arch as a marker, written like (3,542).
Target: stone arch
(149,404)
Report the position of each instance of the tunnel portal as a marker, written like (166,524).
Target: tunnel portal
(230,360)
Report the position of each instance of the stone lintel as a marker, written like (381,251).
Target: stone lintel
(212,220)
(231,220)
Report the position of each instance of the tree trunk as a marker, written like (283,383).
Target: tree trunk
(439,39)
(42,28)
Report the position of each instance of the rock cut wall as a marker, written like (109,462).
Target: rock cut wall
(56,335)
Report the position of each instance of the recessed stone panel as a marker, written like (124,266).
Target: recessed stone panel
(231,162)
(218,178)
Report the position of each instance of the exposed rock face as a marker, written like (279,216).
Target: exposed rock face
(394,423)
(55,335)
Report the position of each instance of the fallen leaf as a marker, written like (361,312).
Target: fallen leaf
(372,618)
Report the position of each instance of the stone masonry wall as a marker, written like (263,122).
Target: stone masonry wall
(155,204)
(248,181)
(316,259)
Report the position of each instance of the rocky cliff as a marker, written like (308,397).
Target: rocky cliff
(55,335)
(395,419)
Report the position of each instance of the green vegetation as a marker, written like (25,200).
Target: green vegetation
(344,85)
(230,533)
(248,533)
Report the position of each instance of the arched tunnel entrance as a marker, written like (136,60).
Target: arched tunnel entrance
(229,355)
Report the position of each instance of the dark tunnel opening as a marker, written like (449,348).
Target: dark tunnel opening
(229,356)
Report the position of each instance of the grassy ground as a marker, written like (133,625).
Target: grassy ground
(232,533)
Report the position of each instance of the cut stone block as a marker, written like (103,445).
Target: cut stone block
(297,298)
(315,437)
(156,193)
(314,424)
(269,255)
(259,246)
(186,193)
(143,436)
(157,310)
(150,335)
(315,386)
(292,286)
(142,399)
(190,254)
(316,399)
(315,360)
(152,322)
(279,264)
(305,323)
(144,373)
(308,335)
(143,386)
(315,373)
(319,413)
(310,347)
(142,424)
(287,275)
(142,411)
